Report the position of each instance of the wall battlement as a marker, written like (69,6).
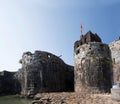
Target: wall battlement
(88,37)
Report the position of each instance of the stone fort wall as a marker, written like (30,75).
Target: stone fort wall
(44,72)
(115,54)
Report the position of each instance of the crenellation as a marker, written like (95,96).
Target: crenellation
(85,39)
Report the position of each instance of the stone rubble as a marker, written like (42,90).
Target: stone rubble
(73,98)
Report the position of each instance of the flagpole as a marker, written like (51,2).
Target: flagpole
(81,28)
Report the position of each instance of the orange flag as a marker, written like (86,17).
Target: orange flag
(81,28)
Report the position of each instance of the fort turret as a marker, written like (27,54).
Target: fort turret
(92,64)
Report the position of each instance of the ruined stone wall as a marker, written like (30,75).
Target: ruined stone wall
(93,68)
(44,72)
(115,53)
(8,83)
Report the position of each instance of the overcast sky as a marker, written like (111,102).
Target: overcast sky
(53,26)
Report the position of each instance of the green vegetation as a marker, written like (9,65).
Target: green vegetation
(20,61)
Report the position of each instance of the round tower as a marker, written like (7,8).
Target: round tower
(93,65)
